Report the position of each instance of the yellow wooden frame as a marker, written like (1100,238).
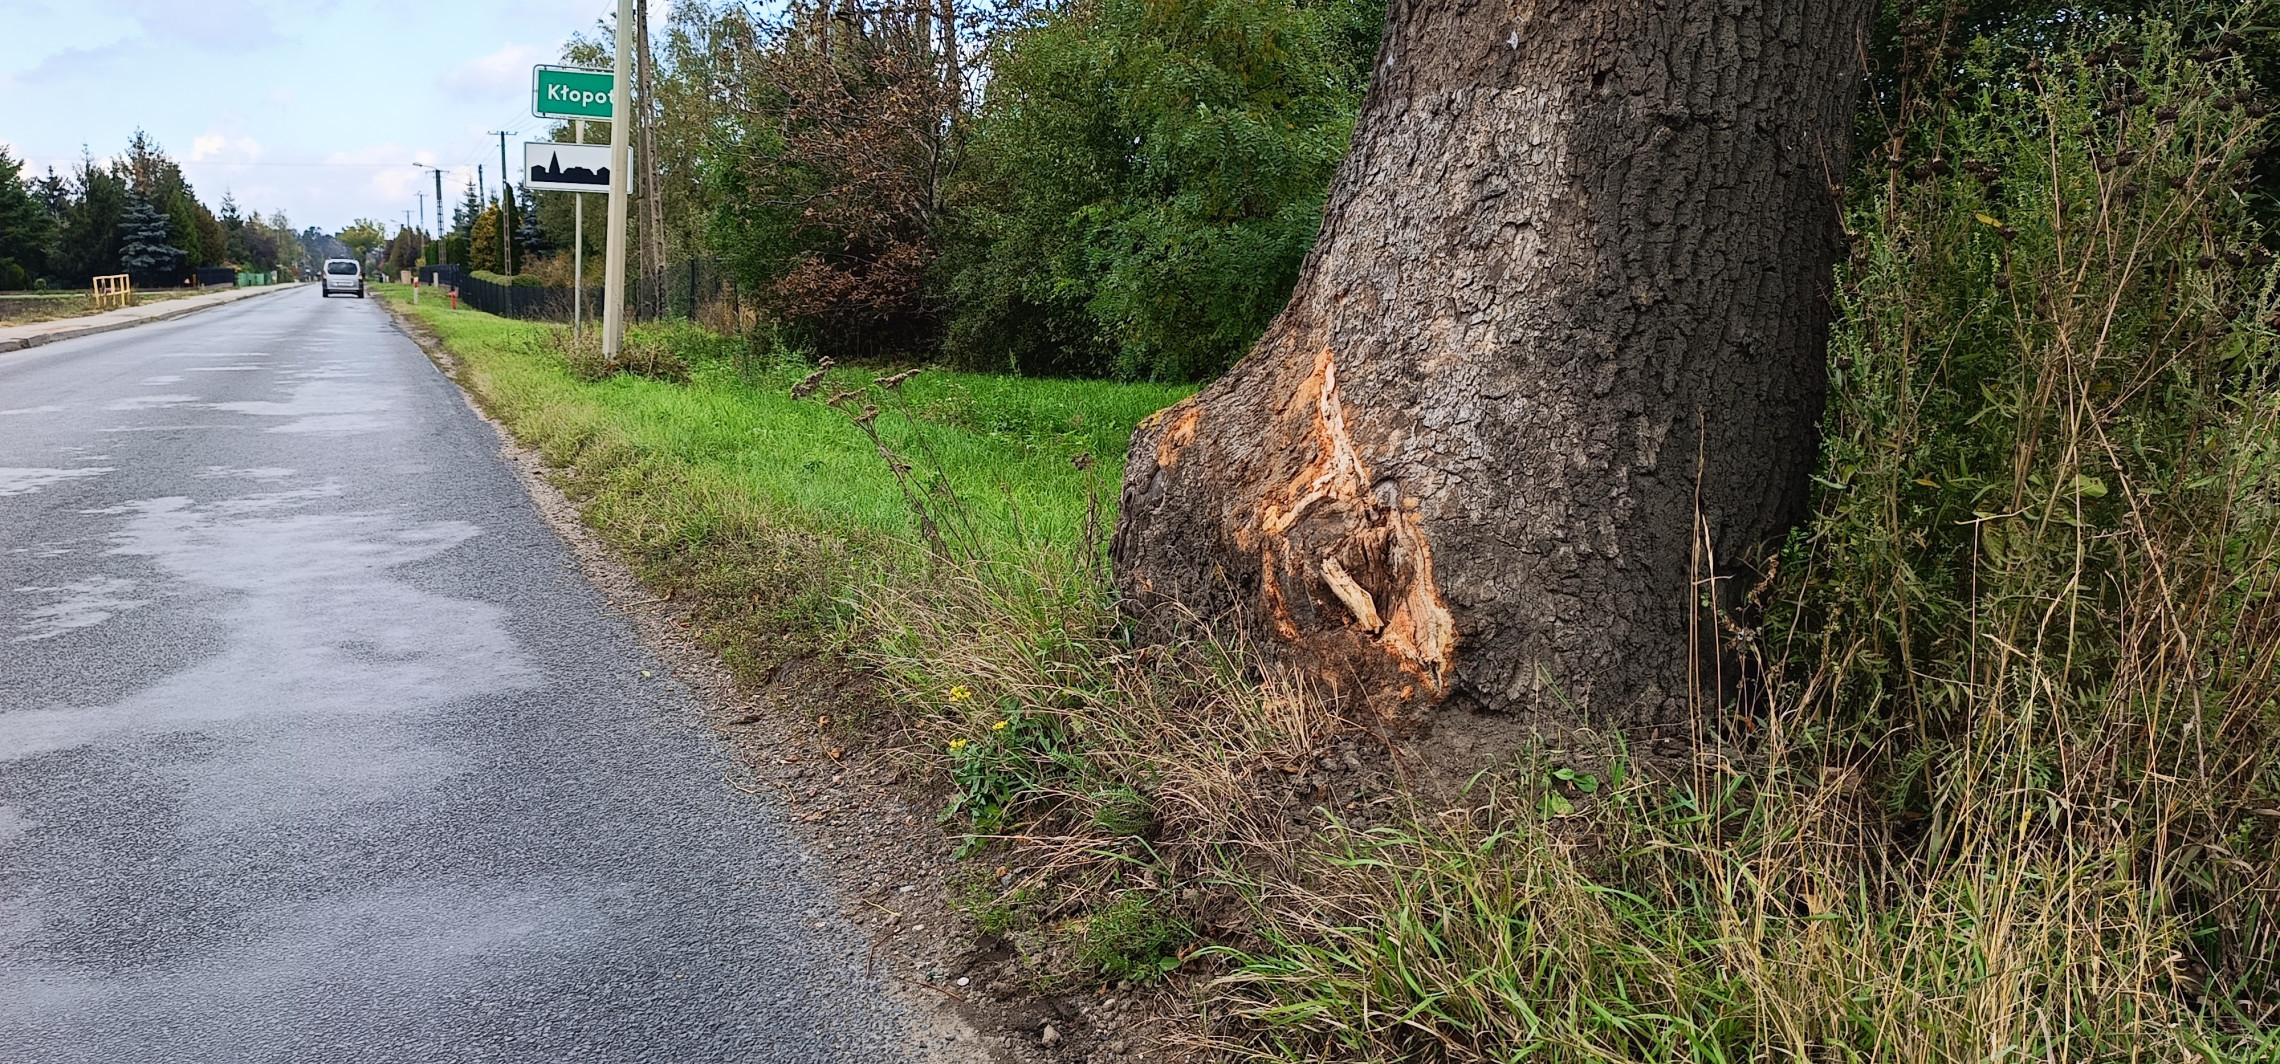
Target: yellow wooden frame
(117,286)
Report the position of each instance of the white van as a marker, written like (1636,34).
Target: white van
(342,275)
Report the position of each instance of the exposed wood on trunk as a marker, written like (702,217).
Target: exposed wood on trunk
(1561,338)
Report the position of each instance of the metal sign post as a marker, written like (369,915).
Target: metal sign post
(613,256)
(577,249)
(577,168)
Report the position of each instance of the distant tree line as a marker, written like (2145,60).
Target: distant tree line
(134,214)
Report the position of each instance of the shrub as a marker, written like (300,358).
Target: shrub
(651,352)
(1148,174)
(838,136)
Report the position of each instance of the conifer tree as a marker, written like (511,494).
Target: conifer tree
(26,229)
(143,248)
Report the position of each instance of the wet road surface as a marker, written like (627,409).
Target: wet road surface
(315,745)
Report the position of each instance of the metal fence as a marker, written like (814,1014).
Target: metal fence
(529,302)
(691,290)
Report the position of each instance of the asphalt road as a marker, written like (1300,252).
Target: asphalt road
(315,745)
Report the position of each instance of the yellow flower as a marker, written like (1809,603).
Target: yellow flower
(957,745)
(960,694)
(999,726)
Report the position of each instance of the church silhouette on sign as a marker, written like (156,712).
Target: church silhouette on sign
(576,175)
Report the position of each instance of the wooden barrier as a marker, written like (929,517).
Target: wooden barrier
(114,288)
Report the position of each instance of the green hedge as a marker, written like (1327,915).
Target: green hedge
(523,280)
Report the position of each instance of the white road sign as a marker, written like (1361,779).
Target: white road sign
(552,166)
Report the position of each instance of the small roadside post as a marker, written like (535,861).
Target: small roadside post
(577,94)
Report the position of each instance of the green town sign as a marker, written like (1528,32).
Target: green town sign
(569,92)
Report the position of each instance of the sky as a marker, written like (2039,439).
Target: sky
(318,108)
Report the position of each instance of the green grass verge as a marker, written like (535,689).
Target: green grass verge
(774,514)
(1005,443)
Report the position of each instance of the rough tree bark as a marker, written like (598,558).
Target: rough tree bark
(1555,361)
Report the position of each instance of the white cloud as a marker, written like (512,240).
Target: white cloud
(219,147)
(501,73)
(395,174)
(38,31)
(220,25)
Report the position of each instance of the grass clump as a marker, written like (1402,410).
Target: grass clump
(1132,938)
(1102,762)
(652,353)
(1665,922)
(994,912)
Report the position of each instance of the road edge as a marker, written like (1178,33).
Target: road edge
(25,343)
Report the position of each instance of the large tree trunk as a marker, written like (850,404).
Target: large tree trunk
(1554,364)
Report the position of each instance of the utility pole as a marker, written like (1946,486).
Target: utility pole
(621,122)
(506,204)
(651,294)
(438,197)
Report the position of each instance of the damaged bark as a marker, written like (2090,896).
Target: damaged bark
(1550,374)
